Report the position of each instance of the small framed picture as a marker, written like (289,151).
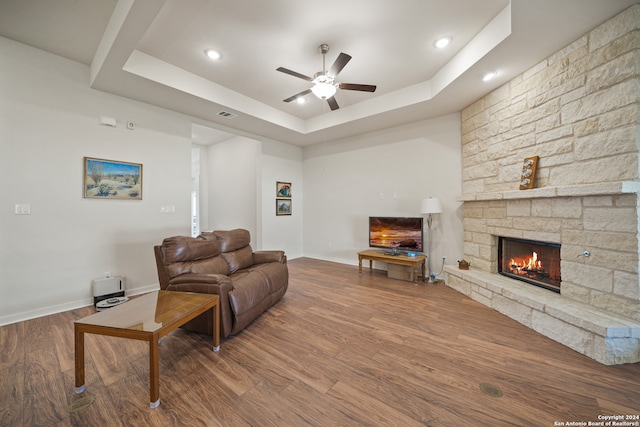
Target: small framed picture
(110,179)
(283,206)
(283,189)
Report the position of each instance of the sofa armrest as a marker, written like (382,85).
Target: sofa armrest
(217,284)
(261,257)
(163,276)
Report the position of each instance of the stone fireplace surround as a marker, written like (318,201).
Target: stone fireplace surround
(579,111)
(596,313)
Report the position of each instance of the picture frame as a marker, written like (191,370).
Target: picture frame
(283,189)
(528,175)
(112,179)
(283,207)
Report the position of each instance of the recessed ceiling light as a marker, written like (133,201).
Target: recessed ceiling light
(213,54)
(442,42)
(300,100)
(488,76)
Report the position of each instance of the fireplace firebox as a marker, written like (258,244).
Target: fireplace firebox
(537,263)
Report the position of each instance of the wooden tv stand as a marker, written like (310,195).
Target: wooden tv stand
(379,255)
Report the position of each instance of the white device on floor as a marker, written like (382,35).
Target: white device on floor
(108,288)
(111,302)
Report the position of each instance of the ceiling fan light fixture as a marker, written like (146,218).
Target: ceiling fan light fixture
(324,90)
(442,42)
(324,83)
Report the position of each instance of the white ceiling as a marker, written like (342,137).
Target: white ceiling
(153,51)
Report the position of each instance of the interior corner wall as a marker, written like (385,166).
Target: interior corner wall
(239,191)
(281,162)
(49,121)
(384,173)
(232,173)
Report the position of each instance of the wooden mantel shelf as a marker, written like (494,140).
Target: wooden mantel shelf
(601,189)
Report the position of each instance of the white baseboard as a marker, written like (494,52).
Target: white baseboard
(59,308)
(142,290)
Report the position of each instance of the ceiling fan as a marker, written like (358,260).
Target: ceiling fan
(324,83)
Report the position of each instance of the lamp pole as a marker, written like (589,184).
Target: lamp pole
(430,206)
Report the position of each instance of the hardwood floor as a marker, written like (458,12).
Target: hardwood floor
(338,350)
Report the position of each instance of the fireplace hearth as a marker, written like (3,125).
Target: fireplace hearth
(533,262)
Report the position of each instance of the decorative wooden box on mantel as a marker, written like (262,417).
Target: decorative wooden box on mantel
(528,173)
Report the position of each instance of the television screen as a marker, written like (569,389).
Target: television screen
(396,234)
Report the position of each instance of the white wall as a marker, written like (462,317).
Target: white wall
(241,175)
(48,123)
(281,162)
(232,173)
(384,173)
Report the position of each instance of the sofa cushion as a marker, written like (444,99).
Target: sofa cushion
(183,248)
(215,265)
(239,259)
(184,255)
(233,239)
(251,296)
(276,275)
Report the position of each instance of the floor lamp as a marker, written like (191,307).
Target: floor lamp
(430,206)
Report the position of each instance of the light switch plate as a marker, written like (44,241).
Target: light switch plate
(23,209)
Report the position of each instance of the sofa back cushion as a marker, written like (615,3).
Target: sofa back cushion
(239,259)
(192,255)
(232,240)
(234,245)
(183,248)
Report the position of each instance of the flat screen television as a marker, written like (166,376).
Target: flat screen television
(396,234)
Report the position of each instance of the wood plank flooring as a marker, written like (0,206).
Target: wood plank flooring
(338,350)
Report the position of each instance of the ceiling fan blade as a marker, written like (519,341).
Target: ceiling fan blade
(294,74)
(362,88)
(333,103)
(339,64)
(297,95)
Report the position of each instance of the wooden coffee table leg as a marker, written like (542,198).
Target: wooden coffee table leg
(216,327)
(79,359)
(154,372)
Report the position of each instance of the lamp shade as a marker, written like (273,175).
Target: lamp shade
(323,90)
(430,205)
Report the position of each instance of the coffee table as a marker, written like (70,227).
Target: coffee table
(146,318)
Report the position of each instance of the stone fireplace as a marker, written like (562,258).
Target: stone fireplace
(579,111)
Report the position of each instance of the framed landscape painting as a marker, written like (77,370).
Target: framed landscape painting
(110,179)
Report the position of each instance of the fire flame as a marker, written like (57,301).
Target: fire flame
(526,264)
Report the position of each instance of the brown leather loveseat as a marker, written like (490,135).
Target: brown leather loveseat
(223,263)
